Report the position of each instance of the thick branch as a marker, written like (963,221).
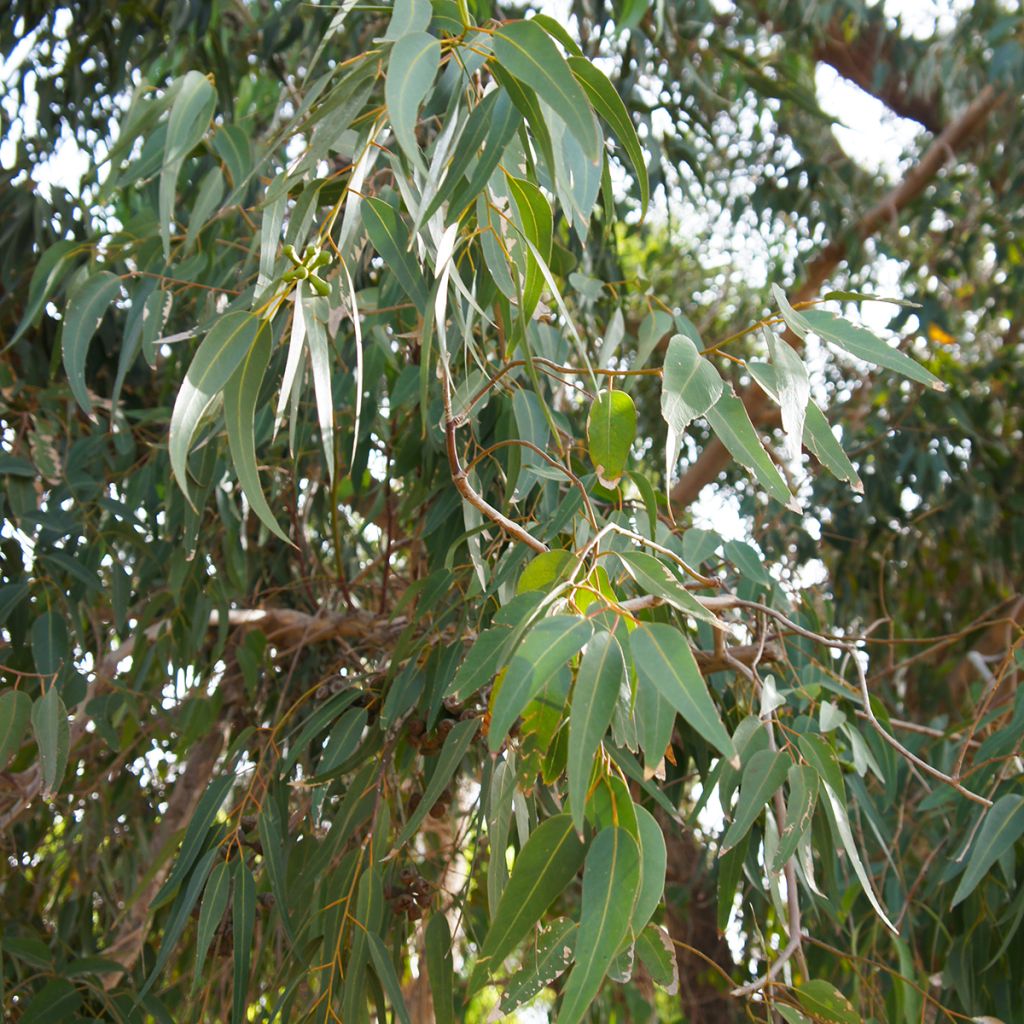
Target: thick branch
(715,456)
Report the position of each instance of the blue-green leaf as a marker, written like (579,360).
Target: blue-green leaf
(1002,827)
(53,736)
(215,901)
(86,307)
(611,881)
(411,70)
(15,711)
(243,920)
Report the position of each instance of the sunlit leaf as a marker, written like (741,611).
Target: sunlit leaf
(611,428)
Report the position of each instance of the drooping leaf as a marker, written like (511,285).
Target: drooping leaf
(50,643)
(600,675)
(437,944)
(274,840)
(243,921)
(314,312)
(408,16)
(390,237)
(86,307)
(215,901)
(794,390)
(455,746)
(690,386)
(1002,827)
(803,795)
(385,970)
(611,881)
(241,394)
(611,428)
(215,361)
(411,70)
(53,266)
(655,949)
(15,711)
(653,863)
(533,217)
(729,420)
(50,725)
(658,580)
(663,659)
(527,52)
(763,774)
(608,104)
(543,570)
(190,117)
(545,650)
(546,864)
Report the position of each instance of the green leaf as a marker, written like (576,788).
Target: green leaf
(15,711)
(480,664)
(211,192)
(190,117)
(390,237)
(385,969)
(729,420)
(608,104)
(525,50)
(546,649)
(241,393)
(557,31)
(314,311)
(50,645)
(762,776)
(611,881)
(274,840)
(547,863)
(215,901)
(602,670)
(658,580)
(408,16)
(437,943)
(57,1001)
(53,266)
(179,916)
(543,961)
(803,795)
(455,746)
(1002,827)
(533,217)
(217,358)
(87,304)
(543,570)
(243,920)
(794,388)
(863,344)
(653,863)
(611,428)
(655,720)
(53,737)
(690,386)
(411,71)
(655,949)
(663,659)
(826,1003)
(195,835)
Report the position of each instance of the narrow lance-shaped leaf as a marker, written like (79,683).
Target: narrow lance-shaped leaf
(15,711)
(762,776)
(729,420)
(411,70)
(455,746)
(385,970)
(653,863)
(533,217)
(241,394)
(1002,827)
(437,943)
(390,237)
(542,963)
(663,658)
(608,104)
(243,920)
(794,390)
(547,863)
(600,675)
(53,266)
(216,359)
(215,901)
(314,311)
(611,880)
(611,428)
(86,307)
(545,651)
(50,725)
(190,117)
(528,52)
(803,794)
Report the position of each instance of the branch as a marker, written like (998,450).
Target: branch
(715,456)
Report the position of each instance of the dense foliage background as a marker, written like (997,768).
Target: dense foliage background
(431,588)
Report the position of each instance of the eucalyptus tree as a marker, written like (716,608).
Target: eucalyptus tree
(361,656)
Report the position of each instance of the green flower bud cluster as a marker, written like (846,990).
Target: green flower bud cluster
(307,265)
